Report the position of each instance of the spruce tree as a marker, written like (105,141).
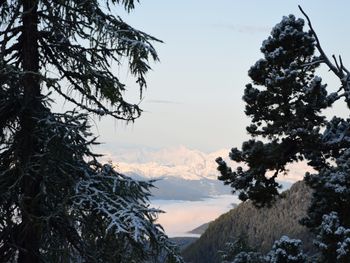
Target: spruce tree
(58,203)
(286,101)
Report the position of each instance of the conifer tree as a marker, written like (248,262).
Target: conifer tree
(284,250)
(286,102)
(58,203)
(233,248)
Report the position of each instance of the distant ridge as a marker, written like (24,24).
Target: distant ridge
(174,162)
(261,227)
(201,229)
(180,162)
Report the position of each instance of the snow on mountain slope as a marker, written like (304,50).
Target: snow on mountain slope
(181,162)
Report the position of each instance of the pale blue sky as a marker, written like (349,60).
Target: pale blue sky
(194,93)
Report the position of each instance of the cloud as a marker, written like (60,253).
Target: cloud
(246,29)
(183,216)
(163,101)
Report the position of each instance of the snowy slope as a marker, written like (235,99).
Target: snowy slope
(186,174)
(181,163)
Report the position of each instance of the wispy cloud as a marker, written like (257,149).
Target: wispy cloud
(246,29)
(163,101)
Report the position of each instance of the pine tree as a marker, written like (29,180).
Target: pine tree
(58,203)
(284,250)
(286,102)
(234,247)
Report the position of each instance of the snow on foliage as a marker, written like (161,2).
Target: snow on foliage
(286,101)
(118,199)
(337,131)
(334,239)
(58,203)
(249,257)
(286,250)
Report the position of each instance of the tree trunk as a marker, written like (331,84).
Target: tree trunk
(30,229)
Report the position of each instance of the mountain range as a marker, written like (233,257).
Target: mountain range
(185,174)
(179,162)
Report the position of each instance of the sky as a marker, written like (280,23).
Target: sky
(194,93)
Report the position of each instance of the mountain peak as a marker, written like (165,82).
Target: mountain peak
(181,162)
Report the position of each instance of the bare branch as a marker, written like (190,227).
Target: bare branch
(312,63)
(336,62)
(10,29)
(342,66)
(333,68)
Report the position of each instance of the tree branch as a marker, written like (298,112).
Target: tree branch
(319,48)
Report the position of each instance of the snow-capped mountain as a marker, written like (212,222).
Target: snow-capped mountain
(182,162)
(179,162)
(186,174)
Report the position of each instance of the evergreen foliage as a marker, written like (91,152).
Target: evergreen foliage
(58,203)
(233,248)
(249,257)
(258,227)
(284,250)
(333,239)
(286,102)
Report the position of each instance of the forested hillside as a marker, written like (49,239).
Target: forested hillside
(260,227)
